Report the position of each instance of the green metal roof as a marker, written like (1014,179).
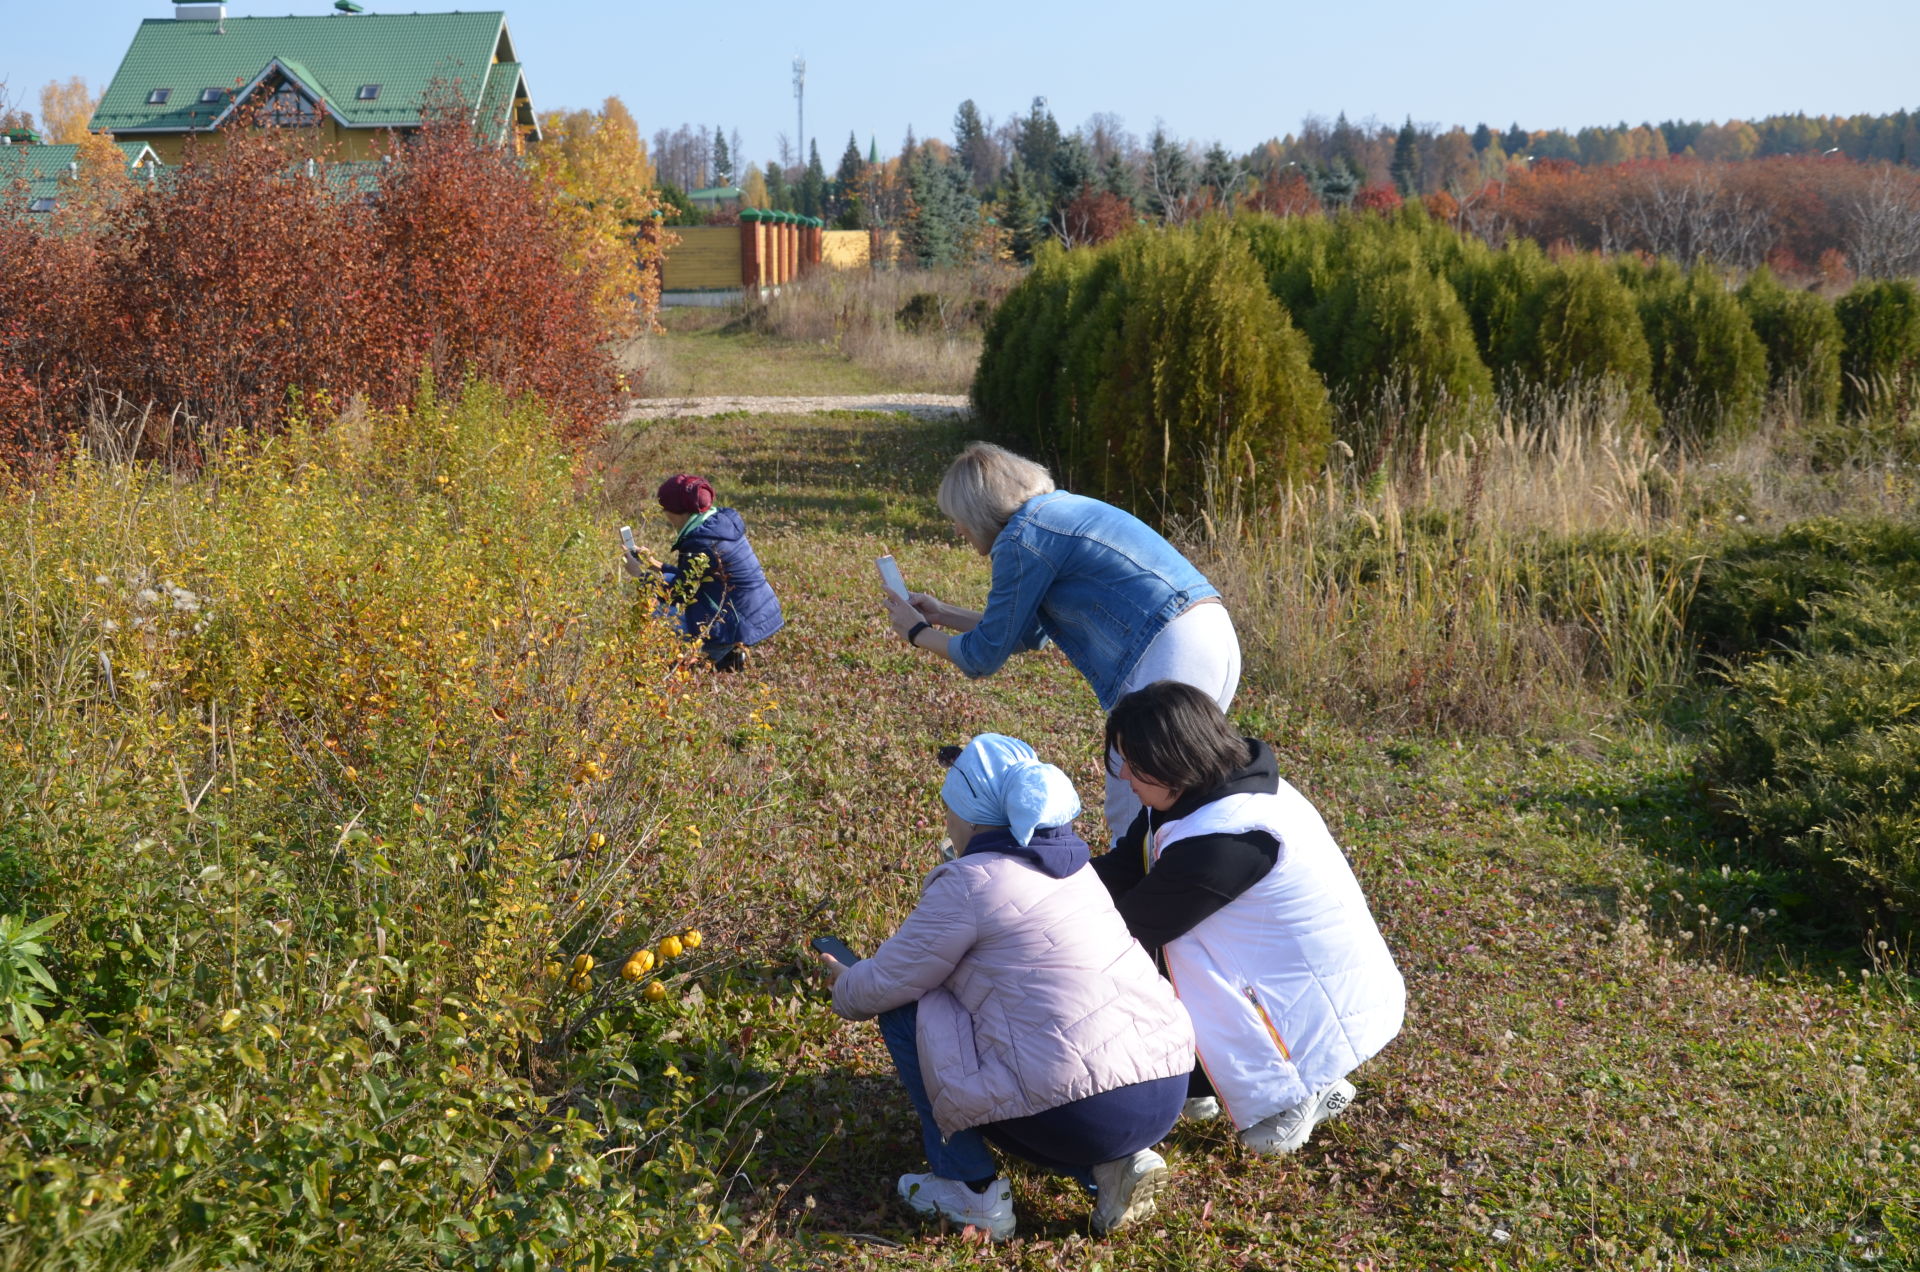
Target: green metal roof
(495,112)
(716,194)
(404,53)
(45,169)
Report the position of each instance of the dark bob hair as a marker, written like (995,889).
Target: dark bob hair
(1176,735)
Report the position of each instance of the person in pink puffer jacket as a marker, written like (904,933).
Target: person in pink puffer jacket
(1019,1010)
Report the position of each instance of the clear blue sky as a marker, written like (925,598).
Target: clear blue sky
(1238,71)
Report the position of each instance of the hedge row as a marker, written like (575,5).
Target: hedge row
(1220,349)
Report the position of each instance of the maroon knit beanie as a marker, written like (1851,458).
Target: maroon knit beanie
(683,492)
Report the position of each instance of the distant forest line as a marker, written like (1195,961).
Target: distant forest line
(1821,199)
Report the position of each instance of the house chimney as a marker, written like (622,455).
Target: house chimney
(184,11)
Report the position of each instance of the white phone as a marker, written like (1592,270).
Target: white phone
(890,576)
(626,539)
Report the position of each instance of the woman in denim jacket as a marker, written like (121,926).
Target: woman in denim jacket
(1120,601)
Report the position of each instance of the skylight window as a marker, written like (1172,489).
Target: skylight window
(368,93)
(212,94)
(40,205)
(158,97)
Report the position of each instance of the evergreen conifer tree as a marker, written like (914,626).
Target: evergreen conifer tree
(1219,173)
(813,184)
(1117,178)
(779,194)
(939,228)
(1038,139)
(722,158)
(1515,142)
(1021,213)
(1406,161)
(1073,169)
(1169,175)
(1482,138)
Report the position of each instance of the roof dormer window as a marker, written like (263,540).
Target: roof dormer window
(158,97)
(40,205)
(368,93)
(212,94)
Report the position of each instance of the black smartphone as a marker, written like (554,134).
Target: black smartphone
(835,948)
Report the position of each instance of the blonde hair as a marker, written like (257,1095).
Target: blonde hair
(985,485)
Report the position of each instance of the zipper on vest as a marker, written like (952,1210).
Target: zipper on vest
(1267,1020)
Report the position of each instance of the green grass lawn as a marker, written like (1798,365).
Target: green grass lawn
(1609,1060)
(707,351)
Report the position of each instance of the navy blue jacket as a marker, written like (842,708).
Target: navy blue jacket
(734,604)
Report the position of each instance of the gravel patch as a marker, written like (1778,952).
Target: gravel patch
(926,406)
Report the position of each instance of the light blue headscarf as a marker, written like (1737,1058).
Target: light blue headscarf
(999,781)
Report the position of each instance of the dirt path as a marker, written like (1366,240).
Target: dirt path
(924,406)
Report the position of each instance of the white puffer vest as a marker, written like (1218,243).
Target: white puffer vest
(1290,985)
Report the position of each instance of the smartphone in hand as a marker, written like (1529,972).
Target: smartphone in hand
(835,948)
(890,576)
(626,541)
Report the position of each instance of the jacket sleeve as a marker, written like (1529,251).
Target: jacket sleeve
(1191,880)
(1126,864)
(1011,620)
(918,957)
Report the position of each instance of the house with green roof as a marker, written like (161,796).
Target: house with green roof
(38,179)
(355,78)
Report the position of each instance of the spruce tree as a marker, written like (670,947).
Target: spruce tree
(1117,178)
(1218,172)
(1039,138)
(1169,175)
(722,158)
(1515,142)
(813,184)
(969,137)
(939,229)
(1073,169)
(1022,213)
(779,194)
(1482,138)
(1406,161)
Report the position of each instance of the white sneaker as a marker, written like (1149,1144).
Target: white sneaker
(1127,1188)
(990,1211)
(1289,1129)
(1200,1108)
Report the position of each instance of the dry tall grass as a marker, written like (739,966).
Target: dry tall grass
(1507,583)
(919,329)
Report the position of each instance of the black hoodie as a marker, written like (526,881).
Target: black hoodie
(1198,875)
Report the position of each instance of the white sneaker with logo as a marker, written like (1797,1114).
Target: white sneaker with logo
(990,1211)
(1127,1187)
(1290,1129)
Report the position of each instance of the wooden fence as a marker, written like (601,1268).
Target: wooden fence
(765,250)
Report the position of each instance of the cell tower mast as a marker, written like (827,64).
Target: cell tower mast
(800,103)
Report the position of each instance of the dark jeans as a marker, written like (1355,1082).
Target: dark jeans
(1067,1140)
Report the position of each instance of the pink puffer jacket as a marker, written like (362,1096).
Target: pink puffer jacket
(1032,993)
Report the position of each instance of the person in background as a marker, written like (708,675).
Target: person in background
(1231,876)
(1019,1011)
(731,607)
(1122,603)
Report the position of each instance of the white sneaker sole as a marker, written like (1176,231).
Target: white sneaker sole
(1141,1188)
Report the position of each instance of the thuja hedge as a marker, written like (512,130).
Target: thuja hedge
(1396,316)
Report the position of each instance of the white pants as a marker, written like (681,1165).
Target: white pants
(1198,648)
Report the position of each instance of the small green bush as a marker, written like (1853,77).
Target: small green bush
(1758,590)
(1817,751)
(1709,369)
(1579,325)
(1803,341)
(1206,382)
(1881,325)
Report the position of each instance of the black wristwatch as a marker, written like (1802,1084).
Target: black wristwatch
(913,633)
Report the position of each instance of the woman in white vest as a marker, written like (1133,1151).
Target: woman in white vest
(1232,878)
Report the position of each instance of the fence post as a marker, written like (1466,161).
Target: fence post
(752,268)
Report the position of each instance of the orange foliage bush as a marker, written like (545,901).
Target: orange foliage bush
(245,280)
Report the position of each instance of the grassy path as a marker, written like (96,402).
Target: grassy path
(1579,1084)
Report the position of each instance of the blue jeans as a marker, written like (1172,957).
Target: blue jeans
(965,1154)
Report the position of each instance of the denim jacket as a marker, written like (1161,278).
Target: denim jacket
(1097,581)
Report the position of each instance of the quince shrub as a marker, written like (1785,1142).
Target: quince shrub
(324,755)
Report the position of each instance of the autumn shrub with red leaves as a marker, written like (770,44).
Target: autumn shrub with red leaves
(1095,217)
(245,280)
